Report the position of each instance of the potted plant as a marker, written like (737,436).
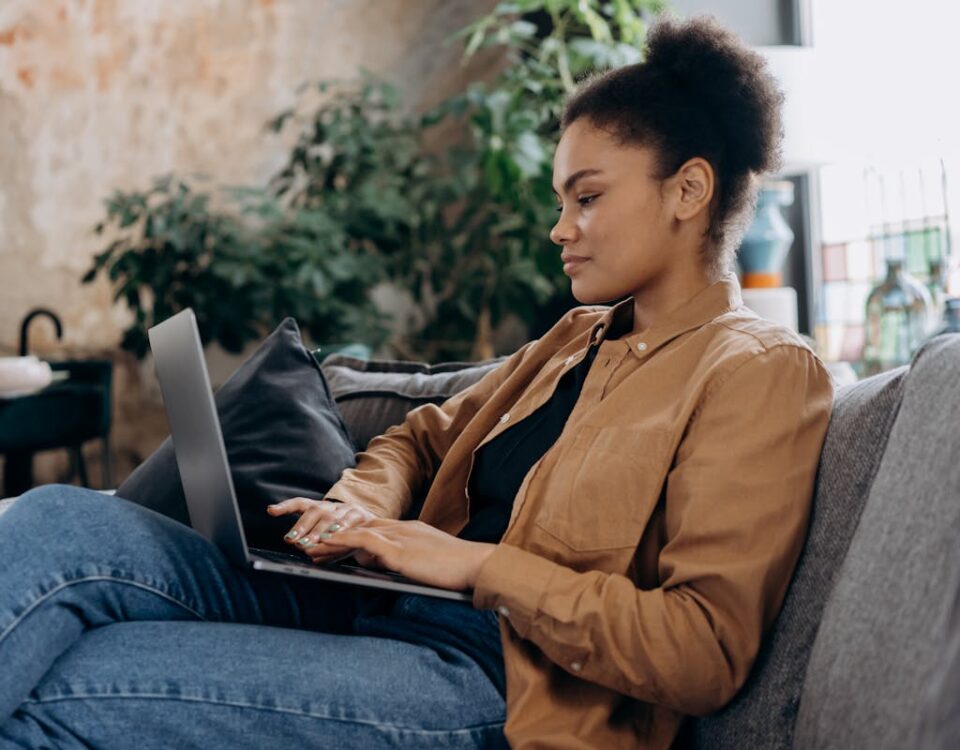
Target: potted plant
(363,202)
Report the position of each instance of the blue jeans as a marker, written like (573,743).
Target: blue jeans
(122,628)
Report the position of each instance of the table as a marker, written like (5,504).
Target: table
(65,414)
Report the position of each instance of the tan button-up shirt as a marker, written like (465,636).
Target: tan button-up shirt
(651,546)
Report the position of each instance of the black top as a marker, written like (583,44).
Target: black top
(500,466)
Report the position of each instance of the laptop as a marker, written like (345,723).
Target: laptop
(205,471)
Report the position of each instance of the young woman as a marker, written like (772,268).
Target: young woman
(626,496)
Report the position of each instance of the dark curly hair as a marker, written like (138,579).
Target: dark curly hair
(699,92)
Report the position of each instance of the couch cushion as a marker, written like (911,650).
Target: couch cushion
(880,636)
(283,434)
(762,714)
(940,711)
(376,394)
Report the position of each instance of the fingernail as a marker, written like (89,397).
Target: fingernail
(305,541)
(334,527)
(324,535)
(311,545)
(291,535)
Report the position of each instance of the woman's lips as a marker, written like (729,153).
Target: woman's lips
(572,262)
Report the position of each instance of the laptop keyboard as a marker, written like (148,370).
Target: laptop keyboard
(280,556)
(348,567)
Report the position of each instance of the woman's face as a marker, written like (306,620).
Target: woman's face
(613,215)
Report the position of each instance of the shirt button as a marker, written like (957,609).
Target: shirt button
(503,611)
(642,347)
(505,417)
(576,666)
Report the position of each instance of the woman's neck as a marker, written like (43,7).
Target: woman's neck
(655,303)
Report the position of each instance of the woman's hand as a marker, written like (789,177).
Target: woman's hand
(413,549)
(317,517)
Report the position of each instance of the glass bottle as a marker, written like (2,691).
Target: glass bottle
(951,316)
(898,320)
(937,288)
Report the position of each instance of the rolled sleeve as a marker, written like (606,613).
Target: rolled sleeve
(513,582)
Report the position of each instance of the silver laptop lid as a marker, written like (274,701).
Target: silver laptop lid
(195,430)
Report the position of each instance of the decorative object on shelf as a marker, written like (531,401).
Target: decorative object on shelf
(898,320)
(762,254)
(951,316)
(768,239)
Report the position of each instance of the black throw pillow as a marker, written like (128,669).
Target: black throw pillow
(284,438)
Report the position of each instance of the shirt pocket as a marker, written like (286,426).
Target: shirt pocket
(605,487)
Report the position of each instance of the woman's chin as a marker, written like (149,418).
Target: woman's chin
(590,295)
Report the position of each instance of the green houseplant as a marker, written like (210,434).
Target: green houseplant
(505,262)
(242,268)
(362,201)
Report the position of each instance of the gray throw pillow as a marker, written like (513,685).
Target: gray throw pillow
(283,434)
(376,394)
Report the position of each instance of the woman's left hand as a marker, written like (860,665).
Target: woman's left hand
(413,549)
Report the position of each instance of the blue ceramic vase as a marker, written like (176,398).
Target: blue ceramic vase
(767,241)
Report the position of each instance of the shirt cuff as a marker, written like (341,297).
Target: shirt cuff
(513,582)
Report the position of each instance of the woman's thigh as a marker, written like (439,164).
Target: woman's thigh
(193,684)
(73,559)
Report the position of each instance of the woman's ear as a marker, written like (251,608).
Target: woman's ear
(694,185)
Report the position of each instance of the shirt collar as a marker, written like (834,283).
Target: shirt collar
(715,300)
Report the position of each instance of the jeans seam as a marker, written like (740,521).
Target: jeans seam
(86,579)
(258,707)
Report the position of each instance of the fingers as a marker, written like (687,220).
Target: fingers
(320,520)
(368,543)
(300,533)
(335,545)
(293,505)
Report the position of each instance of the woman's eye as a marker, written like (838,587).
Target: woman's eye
(584,201)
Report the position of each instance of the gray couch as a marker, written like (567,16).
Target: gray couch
(856,657)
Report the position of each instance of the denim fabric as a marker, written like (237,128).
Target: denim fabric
(122,628)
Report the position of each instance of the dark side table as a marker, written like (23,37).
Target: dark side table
(65,414)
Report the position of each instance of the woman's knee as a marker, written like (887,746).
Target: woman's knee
(92,521)
(55,501)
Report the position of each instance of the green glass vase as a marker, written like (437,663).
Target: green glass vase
(899,312)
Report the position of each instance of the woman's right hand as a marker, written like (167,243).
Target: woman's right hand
(321,517)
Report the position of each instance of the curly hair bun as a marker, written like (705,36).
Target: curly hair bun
(731,83)
(700,92)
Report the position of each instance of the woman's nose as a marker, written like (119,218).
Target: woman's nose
(564,231)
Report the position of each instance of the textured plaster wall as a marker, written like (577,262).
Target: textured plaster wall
(97,95)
